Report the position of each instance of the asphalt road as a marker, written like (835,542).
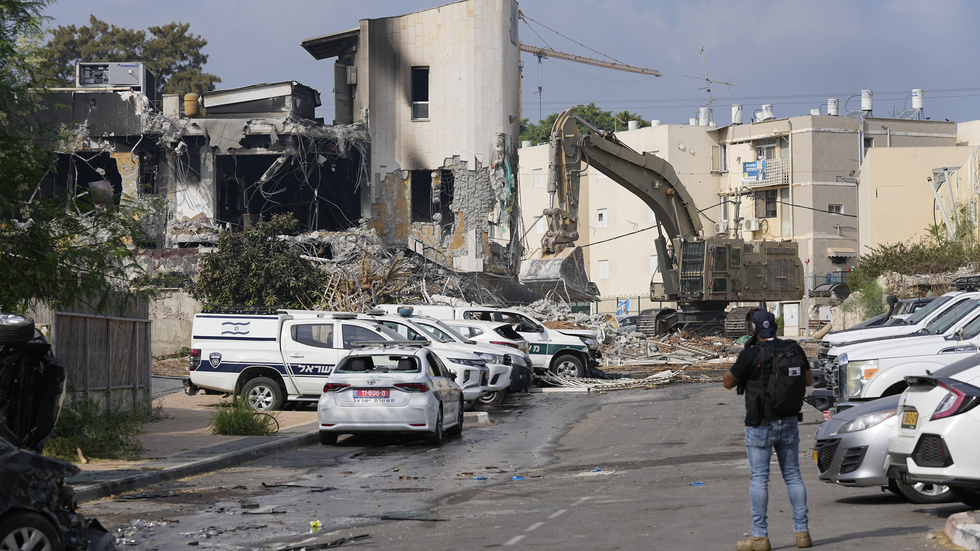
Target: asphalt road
(639,469)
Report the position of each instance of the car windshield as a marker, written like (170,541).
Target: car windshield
(944,321)
(972,329)
(394,363)
(441,331)
(930,308)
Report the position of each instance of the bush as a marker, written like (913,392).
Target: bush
(237,419)
(99,433)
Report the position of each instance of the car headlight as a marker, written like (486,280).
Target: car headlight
(863,422)
(520,359)
(493,358)
(591,343)
(466,361)
(858,374)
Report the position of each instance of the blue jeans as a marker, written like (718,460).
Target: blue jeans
(783,436)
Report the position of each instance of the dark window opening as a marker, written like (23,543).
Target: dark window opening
(92,179)
(838,260)
(148,174)
(431,199)
(321,194)
(720,259)
(765,203)
(736,257)
(420,93)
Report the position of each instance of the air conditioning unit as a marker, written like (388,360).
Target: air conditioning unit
(721,227)
(750,224)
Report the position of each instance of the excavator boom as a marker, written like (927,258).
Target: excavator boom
(703,275)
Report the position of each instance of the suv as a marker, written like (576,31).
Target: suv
(563,352)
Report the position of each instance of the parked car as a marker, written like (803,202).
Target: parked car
(507,368)
(874,369)
(627,323)
(898,310)
(493,332)
(403,387)
(37,508)
(935,436)
(851,447)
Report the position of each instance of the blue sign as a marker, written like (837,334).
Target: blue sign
(754,171)
(622,307)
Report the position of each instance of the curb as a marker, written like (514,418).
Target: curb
(962,530)
(99,490)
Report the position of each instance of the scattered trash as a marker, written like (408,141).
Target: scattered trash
(325,545)
(596,470)
(697,484)
(148,495)
(314,489)
(517,478)
(402,515)
(479,478)
(315,526)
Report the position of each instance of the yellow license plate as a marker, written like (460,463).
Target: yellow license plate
(909,419)
(816,458)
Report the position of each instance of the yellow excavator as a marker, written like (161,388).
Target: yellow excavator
(705,276)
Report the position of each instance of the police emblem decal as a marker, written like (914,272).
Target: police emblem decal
(215,359)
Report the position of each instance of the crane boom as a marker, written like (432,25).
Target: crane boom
(548,52)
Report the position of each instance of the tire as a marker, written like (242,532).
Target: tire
(327,438)
(263,394)
(924,492)
(969,496)
(435,437)
(568,366)
(29,531)
(15,328)
(494,397)
(458,429)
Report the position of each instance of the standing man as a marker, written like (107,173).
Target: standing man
(766,430)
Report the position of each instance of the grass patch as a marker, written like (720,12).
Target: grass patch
(237,419)
(99,433)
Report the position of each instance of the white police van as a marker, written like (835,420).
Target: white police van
(274,357)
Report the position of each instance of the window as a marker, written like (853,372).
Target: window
(766,149)
(420,93)
(718,161)
(765,203)
(834,209)
(405,331)
(318,335)
(537,177)
(355,334)
(868,144)
(600,218)
(603,268)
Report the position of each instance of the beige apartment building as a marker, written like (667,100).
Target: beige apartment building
(794,178)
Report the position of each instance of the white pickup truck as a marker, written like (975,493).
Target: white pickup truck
(564,352)
(875,369)
(274,357)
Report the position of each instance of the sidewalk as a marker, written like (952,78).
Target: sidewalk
(181,444)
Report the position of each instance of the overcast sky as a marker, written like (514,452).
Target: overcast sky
(793,54)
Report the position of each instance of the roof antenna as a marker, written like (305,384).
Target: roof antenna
(707,87)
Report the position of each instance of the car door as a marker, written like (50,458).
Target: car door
(310,350)
(450,392)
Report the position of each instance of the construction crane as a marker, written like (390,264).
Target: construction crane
(548,52)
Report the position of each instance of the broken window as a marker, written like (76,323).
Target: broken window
(420,93)
(432,194)
(92,178)
(320,192)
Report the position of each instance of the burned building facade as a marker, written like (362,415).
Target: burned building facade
(438,92)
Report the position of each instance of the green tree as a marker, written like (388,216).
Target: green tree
(603,120)
(171,53)
(253,267)
(53,248)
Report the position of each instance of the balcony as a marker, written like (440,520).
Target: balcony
(777,173)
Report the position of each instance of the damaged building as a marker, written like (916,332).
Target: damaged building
(421,151)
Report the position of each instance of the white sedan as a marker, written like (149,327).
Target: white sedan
(935,437)
(391,388)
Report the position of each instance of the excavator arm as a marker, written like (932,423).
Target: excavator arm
(647,176)
(703,275)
